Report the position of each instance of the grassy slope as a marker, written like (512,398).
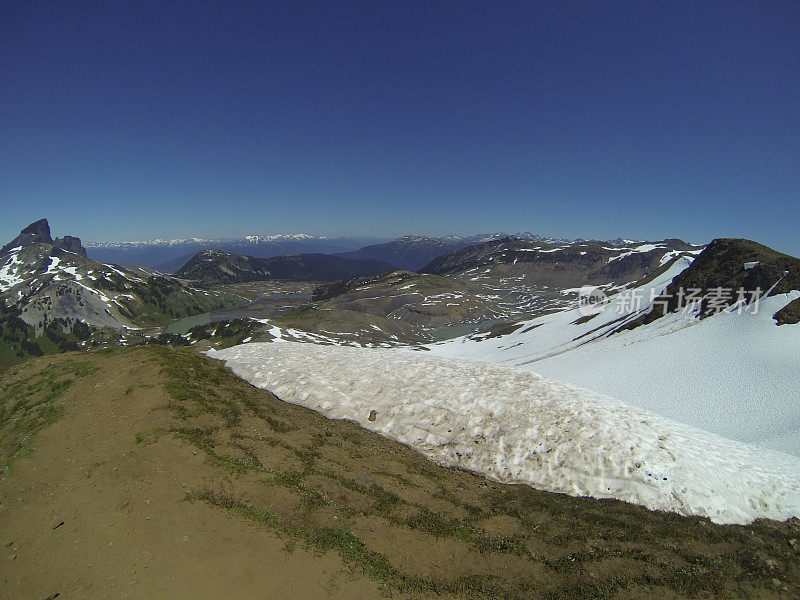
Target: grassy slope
(163,461)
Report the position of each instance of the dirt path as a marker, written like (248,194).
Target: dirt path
(164,476)
(127,530)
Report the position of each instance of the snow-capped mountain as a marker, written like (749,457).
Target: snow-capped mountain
(153,242)
(555,263)
(521,235)
(47,290)
(170,255)
(415,252)
(409,252)
(283,237)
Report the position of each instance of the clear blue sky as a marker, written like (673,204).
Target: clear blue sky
(134,120)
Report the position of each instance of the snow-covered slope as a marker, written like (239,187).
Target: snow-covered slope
(557,332)
(516,426)
(732,374)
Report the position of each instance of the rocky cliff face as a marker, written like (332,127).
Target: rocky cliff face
(70,244)
(39,233)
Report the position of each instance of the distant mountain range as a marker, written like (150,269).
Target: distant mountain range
(170,255)
(410,252)
(559,264)
(215,266)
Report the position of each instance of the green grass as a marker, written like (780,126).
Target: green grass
(351,549)
(30,403)
(150,435)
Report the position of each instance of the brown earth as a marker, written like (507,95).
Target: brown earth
(155,473)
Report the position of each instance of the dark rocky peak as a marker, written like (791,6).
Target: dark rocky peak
(40,230)
(39,233)
(70,244)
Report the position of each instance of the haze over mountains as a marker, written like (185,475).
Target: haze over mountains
(407,252)
(170,255)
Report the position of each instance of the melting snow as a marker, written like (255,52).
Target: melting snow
(8,279)
(516,426)
(745,388)
(53,268)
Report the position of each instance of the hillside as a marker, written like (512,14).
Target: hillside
(57,299)
(560,265)
(391,309)
(730,371)
(418,299)
(154,472)
(499,280)
(214,266)
(518,427)
(410,252)
(727,271)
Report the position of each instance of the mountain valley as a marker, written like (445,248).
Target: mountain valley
(568,378)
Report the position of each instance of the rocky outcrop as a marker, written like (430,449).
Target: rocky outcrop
(39,233)
(727,271)
(70,244)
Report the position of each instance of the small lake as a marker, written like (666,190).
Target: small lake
(263,307)
(182,326)
(247,311)
(453,331)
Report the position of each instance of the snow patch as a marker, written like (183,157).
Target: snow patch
(8,277)
(516,426)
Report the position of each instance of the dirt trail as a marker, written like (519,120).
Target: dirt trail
(165,476)
(127,531)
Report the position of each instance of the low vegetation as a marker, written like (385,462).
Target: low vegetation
(334,487)
(389,515)
(29,402)
(19,341)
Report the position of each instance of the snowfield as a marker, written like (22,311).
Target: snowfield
(733,374)
(516,426)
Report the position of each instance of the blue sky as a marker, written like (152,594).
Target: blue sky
(593,119)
